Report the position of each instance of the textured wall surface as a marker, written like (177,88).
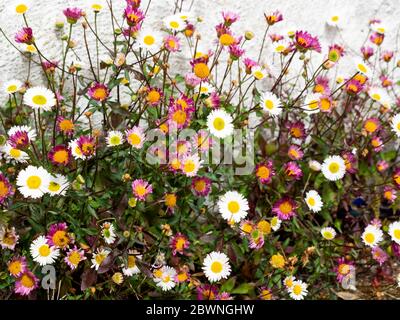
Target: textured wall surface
(310,15)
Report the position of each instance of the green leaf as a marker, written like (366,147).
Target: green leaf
(244,288)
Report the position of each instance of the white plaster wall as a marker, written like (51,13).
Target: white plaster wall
(308,15)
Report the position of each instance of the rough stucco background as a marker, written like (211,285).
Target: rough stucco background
(310,15)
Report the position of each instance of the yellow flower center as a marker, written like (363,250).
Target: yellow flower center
(258,75)
(311,201)
(396,234)
(60,238)
(180,243)
(269,104)
(3,189)
(134,139)
(362,68)
(39,100)
(226,39)
(313,104)
(201,70)
(216,267)
(370,126)
(100,257)
(44,250)
(12,88)
(131,261)
(170,200)
(369,238)
(34,182)
(376,96)
(21,8)
(264,227)
(200,185)
(153,96)
(247,228)
(328,235)
(100,94)
(115,140)
(15,267)
(74,258)
(27,281)
(219,124)
(61,156)
(66,125)
(325,104)
(174,24)
(266,295)
(334,167)
(149,40)
(140,190)
(97,7)
(179,117)
(189,166)
(297,289)
(344,269)
(233,206)
(263,172)
(335,18)
(285,208)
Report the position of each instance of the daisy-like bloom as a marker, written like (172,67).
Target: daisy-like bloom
(275,223)
(229,17)
(108,232)
(17,266)
(149,40)
(172,43)
(98,92)
(178,243)
(265,294)
(372,125)
(87,146)
(378,26)
(97,5)
(363,68)
(133,15)
(343,269)
(377,38)
(223,296)
(73,14)
(334,20)
(207,292)
(322,85)
(42,252)
(246,227)
(58,185)
(202,141)
(293,170)
(265,171)
(377,143)
(304,41)
(378,94)
(65,126)
(387,55)
(183,275)
(13,154)
(298,291)
(8,238)
(396,177)
(58,235)
(21,6)
(131,268)
(49,66)
(386,81)
(141,189)
(26,283)
(25,35)
(256,239)
(117,278)
(235,52)
(328,233)
(213,101)
(98,257)
(114,138)
(273,18)
(21,136)
(60,155)
(258,72)
(277,261)
(76,150)
(220,123)
(249,64)
(389,194)
(372,236)
(394,231)
(379,255)
(313,201)
(170,200)
(33,182)
(166,281)
(190,165)
(311,103)
(174,23)
(333,168)
(295,152)
(367,52)
(200,67)
(135,137)
(296,130)
(233,206)
(203,88)
(216,266)
(40,98)
(153,96)
(6,190)
(288,281)
(12,86)
(396,124)
(285,208)
(354,87)
(271,103)
(350,162)
(201,186)
(382,165)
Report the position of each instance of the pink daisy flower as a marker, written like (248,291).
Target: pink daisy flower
(389,193)
(377,143)
(379,255)
(213,101)
(295,152)
(6,189)
(20,137)
(265,171)
(350,162)
(382,165)
(74,257)
(256,239)
(172,43)
(273,18)
(17,266)
(207,292)
(25,35)
(223,296)
(297,130)
(87,145)
(191,80)
(141,188)
(179,242)
(229,17)
(293,170)
(387,55)
(304,41)
(322,85)
(249,64)
(285,208)
(73,14)
(10,239)
(65,126)
(58,235)
(60,155)
(377,38)
(135,137)
(202,141)
(343,269)
(26,283)
(367,52)
(133,15)
(201,186)
(98,92)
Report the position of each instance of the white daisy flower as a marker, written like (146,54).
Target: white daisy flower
(298,290)
(12,86)
(313,201)
(131,268)
(174,23)
(190,165)
(40,98)
(311,103)
(108,232)
(378,94)
(233,206)
(394,231)
(20,6)
(166,280)
(275,223)
(216,266)
(97,5)
(204,88)
(396,124)
(28,48)
(99,257)
(150,40)
(114,138)
(333,168)
(271,103)
(335,20)
(42,253)
(328,233)
(363,68)
(379,27)
(58,185)
(259,73)
(33,182)
(13,154)
(372,235)
(186,16)
(219,123)
(288,281)
(279,46)
(75,150)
